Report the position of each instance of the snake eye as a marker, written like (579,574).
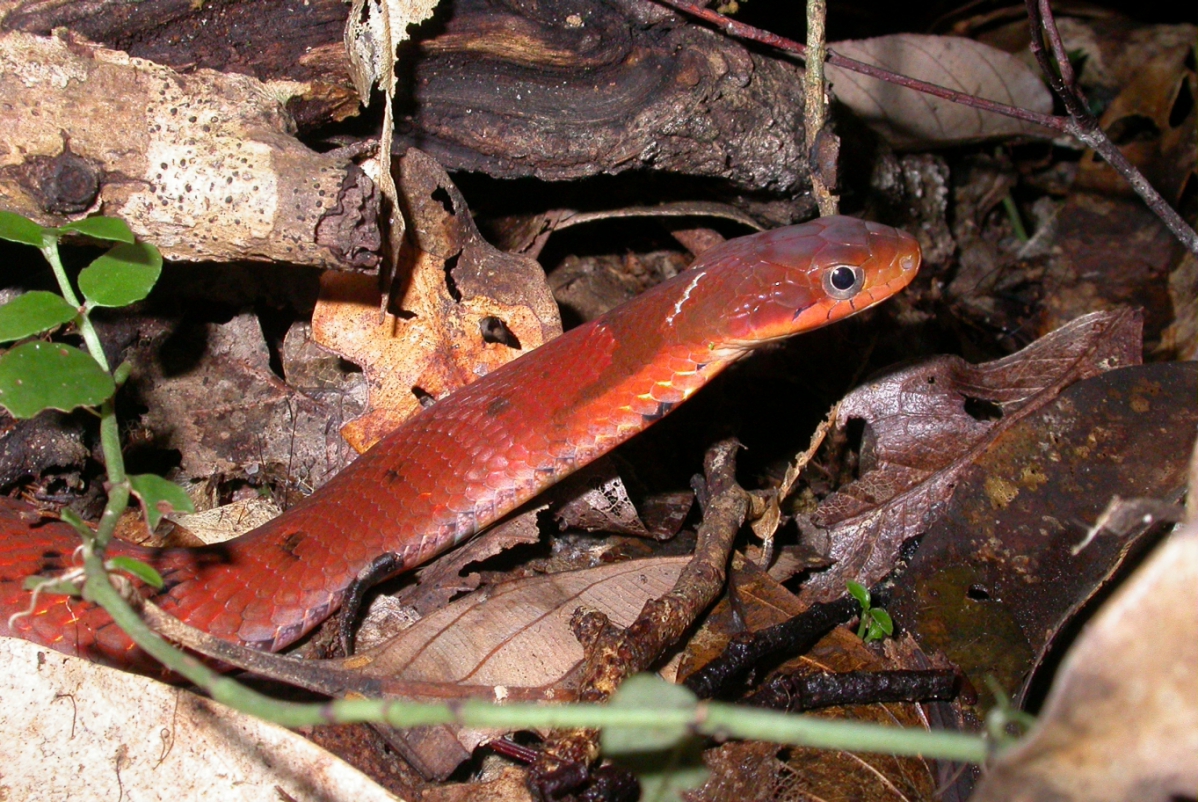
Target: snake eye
(843,281)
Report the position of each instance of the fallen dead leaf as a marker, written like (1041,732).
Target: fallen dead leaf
(140,739)
(800,773)
(458,292)
(1121,721)
(229,412)
(996,578)
(927,423)
(908,119)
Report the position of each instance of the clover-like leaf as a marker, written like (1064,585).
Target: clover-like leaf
(880,625)
(158,497)
(648,692)
(860,593)
(123,276)
(32,313)
(137,569)
(15,228)
(38,376)
(99,227)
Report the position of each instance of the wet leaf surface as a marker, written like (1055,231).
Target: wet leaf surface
(927,423)
(1121,721)
(995,579)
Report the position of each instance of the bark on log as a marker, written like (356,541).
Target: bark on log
(555,89)
(203,165)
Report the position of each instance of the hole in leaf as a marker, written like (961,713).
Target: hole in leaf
(425,398)
(494,330)
(978,593)
(1133,128)
(441,196)
(982,410)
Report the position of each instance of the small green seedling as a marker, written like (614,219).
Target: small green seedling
(876,623)
(40,373)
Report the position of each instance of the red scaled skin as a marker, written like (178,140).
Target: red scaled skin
(474,456)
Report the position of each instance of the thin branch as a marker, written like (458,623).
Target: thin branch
(823,146)
(748,32)
(1080,124)
(1085,128)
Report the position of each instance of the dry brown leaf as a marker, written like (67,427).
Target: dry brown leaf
(997,577)
(517,634)
(230,413)
(920,434)
(1181,336)
(800,773)
(86,731)
(1121,721)
(909,119)
(458,285)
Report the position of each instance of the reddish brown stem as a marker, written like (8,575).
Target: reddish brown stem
(1080,124)
(1085,128)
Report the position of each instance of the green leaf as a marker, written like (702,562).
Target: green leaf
(38,376)
(32,313)
(110,228)
(15,228)
(860,593)
(880,625)
(123,276)
(68,515)
(137,569)
(158,497)
(648,692)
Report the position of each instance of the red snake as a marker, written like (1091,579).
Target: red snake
(469,459)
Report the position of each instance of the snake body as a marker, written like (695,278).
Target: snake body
(472,457)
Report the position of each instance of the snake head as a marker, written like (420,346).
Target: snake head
(782,282)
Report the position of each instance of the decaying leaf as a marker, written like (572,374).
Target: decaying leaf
(909,119)
(927,423)
(517,634)
(196,408)
(1121,721)
(459,291)
(808,773)
(997,577)
(154,741)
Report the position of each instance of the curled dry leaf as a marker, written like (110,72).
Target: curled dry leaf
(927,423)
(458,287)
(1121,721)
(908,119)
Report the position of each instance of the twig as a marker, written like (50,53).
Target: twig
(748,32)
(1080,124)
(1083,126)
(614,655)
(823,146)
